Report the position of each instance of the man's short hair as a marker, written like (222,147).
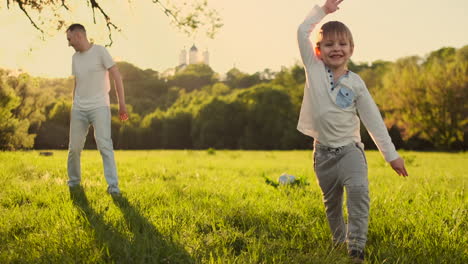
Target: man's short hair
(74,27)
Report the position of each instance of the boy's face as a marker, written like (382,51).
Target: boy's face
(335,51)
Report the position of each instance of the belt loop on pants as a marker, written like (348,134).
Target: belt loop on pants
(336,150)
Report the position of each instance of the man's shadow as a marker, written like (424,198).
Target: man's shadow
(144,245)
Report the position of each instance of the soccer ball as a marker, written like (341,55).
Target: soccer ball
(285,179)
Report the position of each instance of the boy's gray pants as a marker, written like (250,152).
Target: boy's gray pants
(344,168)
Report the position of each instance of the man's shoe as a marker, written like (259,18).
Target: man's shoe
(357,256)
(112,190)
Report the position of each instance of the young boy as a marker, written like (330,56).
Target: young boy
(333,96)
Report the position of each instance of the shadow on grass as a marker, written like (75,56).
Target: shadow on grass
(144,245)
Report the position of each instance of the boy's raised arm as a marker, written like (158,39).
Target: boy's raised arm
(303,32)
(306,47)
(331,6)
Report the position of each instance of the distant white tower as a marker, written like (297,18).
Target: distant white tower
(183,57)
(193,55)
(206,57)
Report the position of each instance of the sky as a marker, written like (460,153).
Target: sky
(257,34)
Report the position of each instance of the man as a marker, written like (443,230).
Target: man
(91,67)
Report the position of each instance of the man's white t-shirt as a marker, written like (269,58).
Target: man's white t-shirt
(90,69)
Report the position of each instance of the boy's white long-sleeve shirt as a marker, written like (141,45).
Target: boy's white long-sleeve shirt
(329,110)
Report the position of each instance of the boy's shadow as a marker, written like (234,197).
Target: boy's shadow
(144,245)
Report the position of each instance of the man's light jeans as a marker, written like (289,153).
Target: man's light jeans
(100,119)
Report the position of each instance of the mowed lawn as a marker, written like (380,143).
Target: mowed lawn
(217,207)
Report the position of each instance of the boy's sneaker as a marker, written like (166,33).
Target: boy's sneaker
(357,256)
(340,246)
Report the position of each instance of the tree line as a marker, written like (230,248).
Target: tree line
(423,101)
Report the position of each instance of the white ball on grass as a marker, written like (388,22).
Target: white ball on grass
(286,179)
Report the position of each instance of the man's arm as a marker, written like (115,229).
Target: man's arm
(117,78)
(74,88)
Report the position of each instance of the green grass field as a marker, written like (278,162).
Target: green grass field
(216,207)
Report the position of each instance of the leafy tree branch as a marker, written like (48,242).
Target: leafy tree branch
(187,16)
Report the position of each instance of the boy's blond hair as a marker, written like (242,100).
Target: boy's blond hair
(332,29)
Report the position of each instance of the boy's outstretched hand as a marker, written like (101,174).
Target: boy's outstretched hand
(331,6)
(399,166)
